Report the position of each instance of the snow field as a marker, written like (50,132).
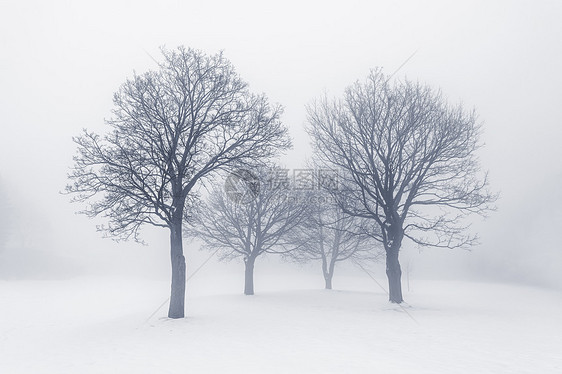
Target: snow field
(99,325)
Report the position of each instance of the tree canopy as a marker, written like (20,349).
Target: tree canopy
(171,129)
(408,161)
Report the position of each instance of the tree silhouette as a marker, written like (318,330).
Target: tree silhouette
(171,129)
(407,160)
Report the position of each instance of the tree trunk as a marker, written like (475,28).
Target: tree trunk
(249,276)
(328,272)
(328,280)
(177,297)
(394,274)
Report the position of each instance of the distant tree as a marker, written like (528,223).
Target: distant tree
(331,236)
(250,224)
(409,164)
(171,129)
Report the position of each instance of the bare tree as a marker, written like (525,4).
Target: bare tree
(171,129)
(249,228)
(331,236)
(408,163)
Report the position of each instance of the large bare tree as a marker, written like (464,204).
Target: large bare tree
(407,160)
(250,227)
(171,129)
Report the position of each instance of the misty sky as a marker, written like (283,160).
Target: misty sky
(61,62)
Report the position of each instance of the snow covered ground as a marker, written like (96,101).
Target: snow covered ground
(99,325)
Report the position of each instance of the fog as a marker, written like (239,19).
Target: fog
(62,61)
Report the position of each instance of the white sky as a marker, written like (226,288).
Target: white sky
(61,61)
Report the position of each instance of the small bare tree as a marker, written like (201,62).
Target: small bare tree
(250,227)
(408,164)
(331,236)
(171,129)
